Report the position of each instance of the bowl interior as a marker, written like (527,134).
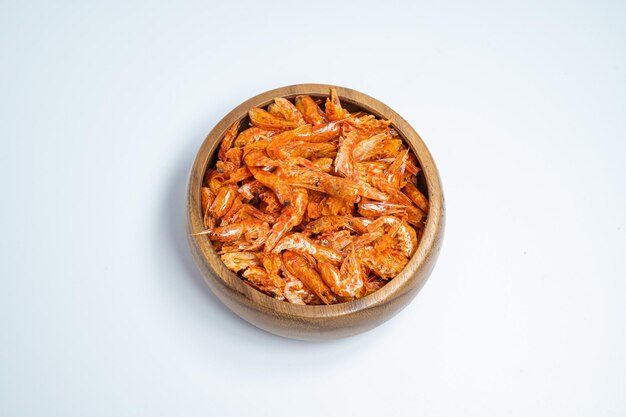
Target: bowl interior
(427,182)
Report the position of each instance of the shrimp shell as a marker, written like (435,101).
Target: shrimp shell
(373,283)
(263,119)
(333,108)
(253,232)
(385,149)
(332,223)
(353,275)
(298,242)
(291,216)
(344,163)
(296,292)
(252,135)
(310,110)
(285,109)
(227,142)
(338,240)
(320,181)
(404,236)
(347,283)
(416,196)
(237,261)
(335,206)
(299,266)
(224,200)
(257,277)
(386,264)
(206,199)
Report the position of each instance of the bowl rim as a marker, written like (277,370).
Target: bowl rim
(257,300)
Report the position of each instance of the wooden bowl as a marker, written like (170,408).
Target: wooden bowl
(318,322)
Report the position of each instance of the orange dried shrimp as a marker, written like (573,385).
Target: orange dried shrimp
(314,206)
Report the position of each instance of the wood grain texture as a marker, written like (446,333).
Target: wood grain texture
(325,321)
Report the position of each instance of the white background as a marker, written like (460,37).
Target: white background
(103,106)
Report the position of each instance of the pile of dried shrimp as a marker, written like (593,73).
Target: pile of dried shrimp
(314,206)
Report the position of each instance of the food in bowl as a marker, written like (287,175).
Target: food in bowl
(311,205)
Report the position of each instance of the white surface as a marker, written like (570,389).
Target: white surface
(103,313)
